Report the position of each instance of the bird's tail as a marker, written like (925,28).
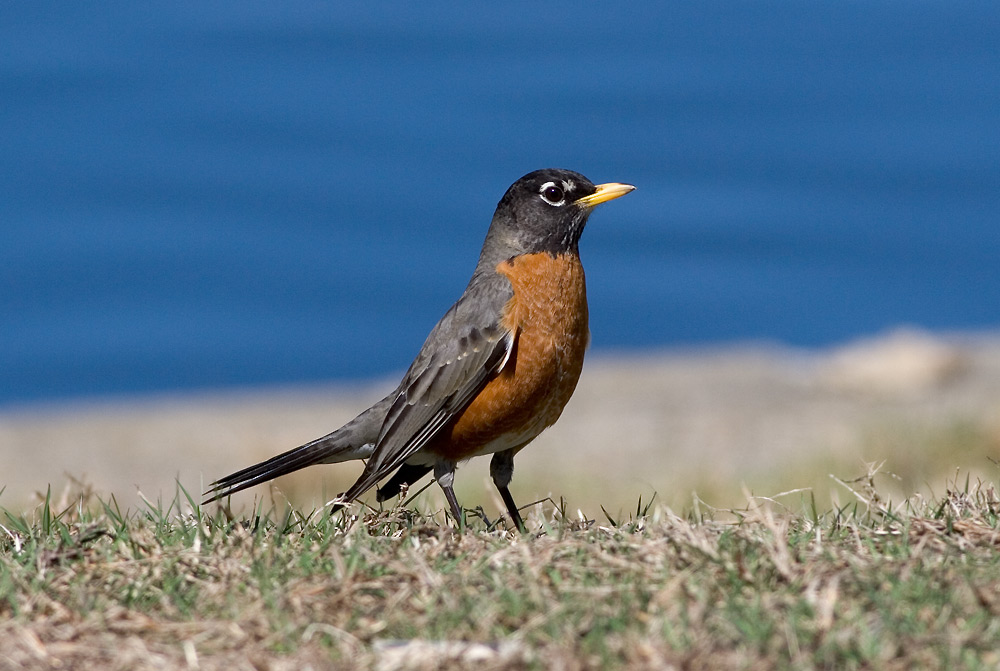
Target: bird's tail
(355,440)
(325,450)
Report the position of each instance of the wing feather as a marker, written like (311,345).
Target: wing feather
(426,407)
(467,348)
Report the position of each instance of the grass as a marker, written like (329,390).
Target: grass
(778,583)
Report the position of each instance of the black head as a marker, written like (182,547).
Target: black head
(545,211)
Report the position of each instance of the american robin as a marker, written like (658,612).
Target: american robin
(494,372)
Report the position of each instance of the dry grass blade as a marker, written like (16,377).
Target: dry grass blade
(876,585)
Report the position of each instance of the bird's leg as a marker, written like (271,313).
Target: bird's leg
(444,473)
(502,470)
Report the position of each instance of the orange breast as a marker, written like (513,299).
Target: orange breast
(549,315)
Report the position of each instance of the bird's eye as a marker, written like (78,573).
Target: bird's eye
(553,194)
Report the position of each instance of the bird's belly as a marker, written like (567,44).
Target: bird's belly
(548,313)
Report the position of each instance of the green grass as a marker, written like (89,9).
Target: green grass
(775,584)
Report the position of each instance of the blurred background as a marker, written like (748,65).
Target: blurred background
(269,200)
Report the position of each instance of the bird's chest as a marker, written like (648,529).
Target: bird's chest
(548,315)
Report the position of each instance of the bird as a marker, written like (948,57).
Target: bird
(494,372)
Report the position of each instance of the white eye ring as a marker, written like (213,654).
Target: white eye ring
(553,194)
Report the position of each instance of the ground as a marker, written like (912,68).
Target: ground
(873,585)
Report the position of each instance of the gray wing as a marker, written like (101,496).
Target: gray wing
(466,349)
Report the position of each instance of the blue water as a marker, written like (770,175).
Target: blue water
(200,195)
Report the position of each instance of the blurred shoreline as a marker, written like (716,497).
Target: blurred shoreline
(668,422)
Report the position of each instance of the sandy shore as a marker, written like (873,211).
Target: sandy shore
(666,422)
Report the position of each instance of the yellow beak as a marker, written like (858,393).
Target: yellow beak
(604,193)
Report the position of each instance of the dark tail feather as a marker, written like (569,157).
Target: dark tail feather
(352,441)
(406,475)
(321,450)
